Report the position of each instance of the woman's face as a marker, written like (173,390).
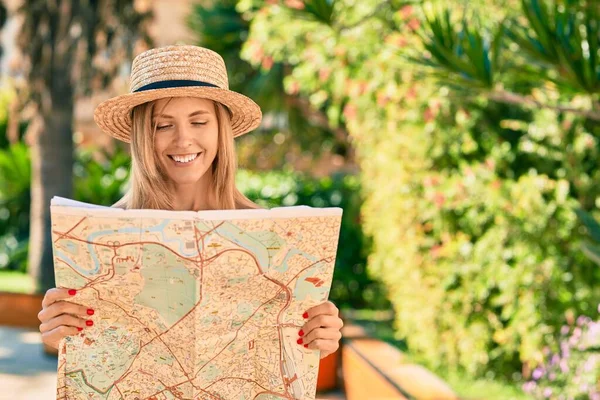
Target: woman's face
(186,137)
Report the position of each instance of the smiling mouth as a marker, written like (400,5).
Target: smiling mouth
(185,158)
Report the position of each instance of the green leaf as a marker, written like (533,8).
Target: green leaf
(468,54)
(590,223)
(592,251)
(564,39)
(320,10)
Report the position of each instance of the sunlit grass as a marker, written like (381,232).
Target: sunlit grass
(15,282)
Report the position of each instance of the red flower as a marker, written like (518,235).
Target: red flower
(267,62)
(414,24)
(411,93)
(294,87)
(349,111)
(362,85)
(430,181)
(435,251)
(258,52)
(405,11)
(439,199)
(297,4)
(382,99)
(324,74)
(429,114)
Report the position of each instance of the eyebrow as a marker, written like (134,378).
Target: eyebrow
(199,112)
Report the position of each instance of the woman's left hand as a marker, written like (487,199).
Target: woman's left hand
(322,330)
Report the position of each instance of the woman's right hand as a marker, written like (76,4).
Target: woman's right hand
(61,318)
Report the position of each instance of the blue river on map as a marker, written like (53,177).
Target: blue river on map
(227,230)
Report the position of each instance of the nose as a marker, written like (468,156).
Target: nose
(184,136)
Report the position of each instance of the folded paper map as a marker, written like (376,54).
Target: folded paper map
(192,305)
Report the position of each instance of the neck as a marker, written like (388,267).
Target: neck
(193,196)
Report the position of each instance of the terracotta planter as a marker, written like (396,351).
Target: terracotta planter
(20,310)
(328,372)
(376,370)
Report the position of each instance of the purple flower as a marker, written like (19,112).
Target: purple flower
(537,373)
(529,387)
(589,364)
(555,360)
(563,366)
(583,320)
(564,347)
(564,330)
(592,335)
(547,392)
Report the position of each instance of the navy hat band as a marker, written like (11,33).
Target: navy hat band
(173,84)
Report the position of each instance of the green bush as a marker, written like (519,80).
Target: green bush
(496,232)
(100,175)
(15,171)
(15,181)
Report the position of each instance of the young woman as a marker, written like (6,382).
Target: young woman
(181,120)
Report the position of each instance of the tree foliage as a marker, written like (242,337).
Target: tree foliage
(474,152)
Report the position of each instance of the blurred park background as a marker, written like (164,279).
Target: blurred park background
(461,138)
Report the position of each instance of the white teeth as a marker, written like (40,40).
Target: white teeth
(186,158)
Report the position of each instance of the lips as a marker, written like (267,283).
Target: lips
(184,158)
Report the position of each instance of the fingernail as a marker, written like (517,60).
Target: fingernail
(299,341)
(79,329)
(305,315)
(305,345)
(301,333)
(90,311)
(72,292)
(89,323)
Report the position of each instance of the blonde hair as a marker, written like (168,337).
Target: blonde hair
(148,187)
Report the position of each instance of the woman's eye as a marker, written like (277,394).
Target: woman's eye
(199,123)
(162,127)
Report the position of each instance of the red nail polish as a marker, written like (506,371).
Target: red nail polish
(301,333)
(299,341)
(305,345)
(89,323)
(90,311)
(79,329)
(305,315)
(72,292)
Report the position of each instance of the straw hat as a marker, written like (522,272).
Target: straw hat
(176,71)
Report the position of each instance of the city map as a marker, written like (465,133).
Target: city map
(192,305)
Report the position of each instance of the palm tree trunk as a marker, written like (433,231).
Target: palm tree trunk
(52,175)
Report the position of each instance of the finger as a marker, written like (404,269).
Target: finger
(62,307)
(52,338)
(321,321)
(327,308)
(322,334)
(63,320)
(55,294)
(324,345)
